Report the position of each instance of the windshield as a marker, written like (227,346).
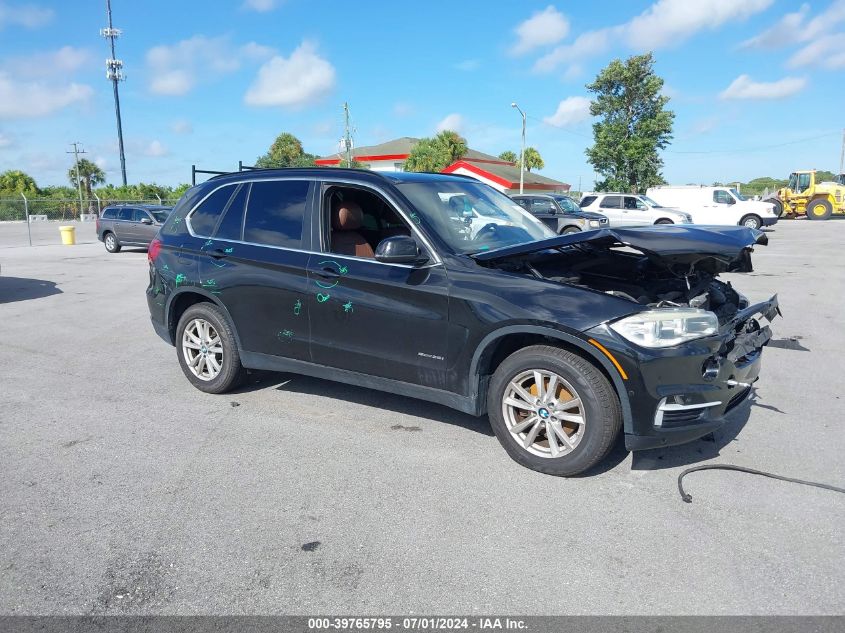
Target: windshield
(738,195)
(651,203)
(472,217)
(160,216)
(567,204)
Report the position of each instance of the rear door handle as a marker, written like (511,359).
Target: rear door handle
(218,254)
(328,273)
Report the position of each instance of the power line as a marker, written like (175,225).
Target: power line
(115,74)
(76,152)
(754,149)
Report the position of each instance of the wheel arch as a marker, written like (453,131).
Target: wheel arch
(664,220)
(501,343)
(183,299)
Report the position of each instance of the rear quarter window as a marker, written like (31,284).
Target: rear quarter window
(275,212)
(204,218)
(109,214)
(586,202)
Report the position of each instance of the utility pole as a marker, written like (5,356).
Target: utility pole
(842,155)
(76,152)
(347,137)
(522,151)
(115,74)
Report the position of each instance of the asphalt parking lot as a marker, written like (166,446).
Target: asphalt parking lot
(125,490)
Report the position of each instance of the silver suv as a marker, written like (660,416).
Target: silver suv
(627,209)
(130,225)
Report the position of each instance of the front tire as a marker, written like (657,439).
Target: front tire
(819,209)
(553,411)
(111,243)
(751,222)
(570,229)
(207,349)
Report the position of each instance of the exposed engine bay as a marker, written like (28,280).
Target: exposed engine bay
(636,278)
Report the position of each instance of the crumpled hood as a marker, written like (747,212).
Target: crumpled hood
(723,248)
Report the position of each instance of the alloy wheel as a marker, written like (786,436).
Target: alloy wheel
(202,349)
(544,413)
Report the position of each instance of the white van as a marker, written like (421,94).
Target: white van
(716,205)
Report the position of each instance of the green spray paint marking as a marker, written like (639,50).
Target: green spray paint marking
(326,286)
(285,334)
(208,243)
(209,283)
(180,279)
(297,307)
(322,298)
(229,250)
(347,307)
(341,269)
(415,218)
(166,267)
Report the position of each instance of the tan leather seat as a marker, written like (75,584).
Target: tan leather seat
(346,240)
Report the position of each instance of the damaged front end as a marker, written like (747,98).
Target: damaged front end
(690,349)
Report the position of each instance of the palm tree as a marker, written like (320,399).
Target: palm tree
(90,175)
(454,145)
(509,156)
(533,159)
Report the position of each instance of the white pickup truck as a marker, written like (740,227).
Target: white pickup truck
(716,205)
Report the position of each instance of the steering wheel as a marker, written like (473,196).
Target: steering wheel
(488,231)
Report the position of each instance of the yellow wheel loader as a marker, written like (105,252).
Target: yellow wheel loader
(804,196)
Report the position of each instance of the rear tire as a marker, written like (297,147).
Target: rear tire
(819,209)
(664,221)
(111,243)
(208,352)
(580,390)
(751,221)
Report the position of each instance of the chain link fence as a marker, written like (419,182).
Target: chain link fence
(46,209)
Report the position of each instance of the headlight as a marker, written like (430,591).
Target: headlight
(594,224)
(667,326)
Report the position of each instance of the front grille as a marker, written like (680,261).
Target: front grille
(738,399)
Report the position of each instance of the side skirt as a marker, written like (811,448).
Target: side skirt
(267,362)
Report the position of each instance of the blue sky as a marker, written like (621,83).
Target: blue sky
(214,83)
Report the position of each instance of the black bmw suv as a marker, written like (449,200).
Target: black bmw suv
(379,280)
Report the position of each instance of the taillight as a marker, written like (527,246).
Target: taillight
(153,250)
(97,225)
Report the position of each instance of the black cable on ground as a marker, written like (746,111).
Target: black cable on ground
(688,498)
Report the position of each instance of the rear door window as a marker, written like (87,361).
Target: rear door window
(124,214)
(205,216)
(611,202)
(275,212)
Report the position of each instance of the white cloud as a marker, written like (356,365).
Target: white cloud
(102,163)
(543,28)
(665,23)
(156,149)
(743,87)
(794,28)
(63,61)
(826,51)
(669,22)
(468,65)
(181,126)
(454,122)
(262,6)
(26,15)
(570,111)
(302,78)
(176,69)
(21,99)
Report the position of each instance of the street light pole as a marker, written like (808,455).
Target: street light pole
(522,151)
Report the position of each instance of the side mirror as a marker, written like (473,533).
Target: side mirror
(400,249)
(146,221)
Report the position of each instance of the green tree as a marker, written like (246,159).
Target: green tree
(533,160)
(634,125)
(89,175)
(179,190)
(435,154)
(286,151)
(509,156)
(14,182)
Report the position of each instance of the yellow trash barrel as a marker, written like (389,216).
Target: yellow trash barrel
(68,235)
